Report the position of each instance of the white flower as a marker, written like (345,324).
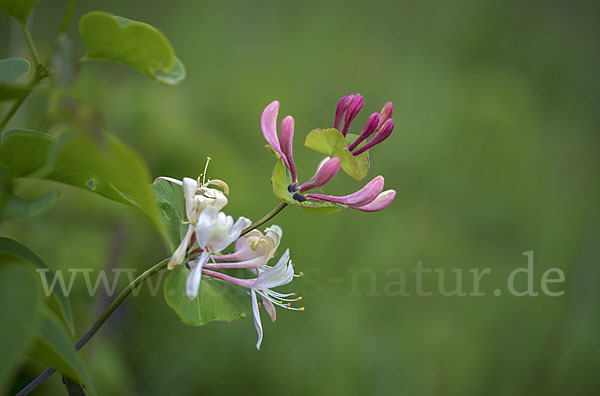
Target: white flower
(197,198)
(281,274)
(214,232)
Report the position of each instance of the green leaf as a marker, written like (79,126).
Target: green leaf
(131,43)
(107,167)
(54,347)
(281,179)
(24,151)
(57,301)
(13,91)
(12,68)
(19,9)
(171,207)
(20,296)
(331,142)
(217,299)
(25,209)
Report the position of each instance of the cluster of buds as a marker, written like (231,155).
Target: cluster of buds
(210,231)
(378,127)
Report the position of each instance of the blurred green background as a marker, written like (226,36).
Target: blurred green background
(495,152)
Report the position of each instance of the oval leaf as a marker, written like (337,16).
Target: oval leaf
(54,348)
(171,207)
(57,301)
(24,151)
(18,9)
(13,91)
(135,44)
(217,299)
(12,68)
(20,296)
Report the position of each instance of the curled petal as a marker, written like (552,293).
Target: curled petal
(268,124)
(192,283)
(179,253)
(281,274)
(362,197)
(379,203)
(286,138)
(257,322)
(324,174)
(169,179)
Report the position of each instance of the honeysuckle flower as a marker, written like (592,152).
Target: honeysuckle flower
(214,231)
(197,198)
(252,250)
(279,275)
(383,200)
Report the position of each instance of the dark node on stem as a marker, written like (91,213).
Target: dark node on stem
(292,188)
(299,197)
(187,265)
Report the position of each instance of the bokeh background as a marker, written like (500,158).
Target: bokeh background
(495,153)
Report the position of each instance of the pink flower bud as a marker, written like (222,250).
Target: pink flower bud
(362,197)
(379,203)
(268,124)
(386,113)
(341,109)
(384,132)
(353,108)
(370,127)
(325,173)
(286,139)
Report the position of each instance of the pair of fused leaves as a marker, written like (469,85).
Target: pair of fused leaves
(42,331)
(217,299)
(333,144)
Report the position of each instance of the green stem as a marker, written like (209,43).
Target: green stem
(31,45)
(266,217)
(99,322)
(40,71)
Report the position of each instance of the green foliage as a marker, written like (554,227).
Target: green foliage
(18,9)
(20,296)
(171,206)
(105,166)
(12,68)
(54,347)
(332,143)
(280,181)
(135,44)
(216,300)
(24,151)
(21,208)
(57,301)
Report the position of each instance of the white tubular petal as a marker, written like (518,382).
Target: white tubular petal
(169,179)
(192,283)
(179,253)
(257,322)
(206,225)
(228,234)
(189,190)
(281,274)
